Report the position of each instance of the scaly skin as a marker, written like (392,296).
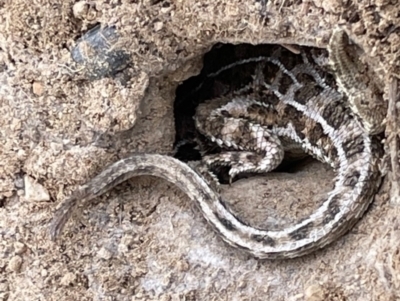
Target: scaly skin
(296,103)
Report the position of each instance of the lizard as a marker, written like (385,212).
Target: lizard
(289,101)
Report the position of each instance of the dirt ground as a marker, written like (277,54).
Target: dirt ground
(144,240)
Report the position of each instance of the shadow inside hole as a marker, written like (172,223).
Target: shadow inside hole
(219,77)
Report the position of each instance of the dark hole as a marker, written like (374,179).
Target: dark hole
(217,79)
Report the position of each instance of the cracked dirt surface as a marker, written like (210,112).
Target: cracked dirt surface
(142,240)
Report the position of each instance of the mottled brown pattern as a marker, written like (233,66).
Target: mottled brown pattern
(286,82)
(271,69)
(302,232)
(333,209)
(261,114)
(335,115)
(315,133)
(351,179)
(307,92)
(264,239)
(312,113)
(353,146)
(228,225)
